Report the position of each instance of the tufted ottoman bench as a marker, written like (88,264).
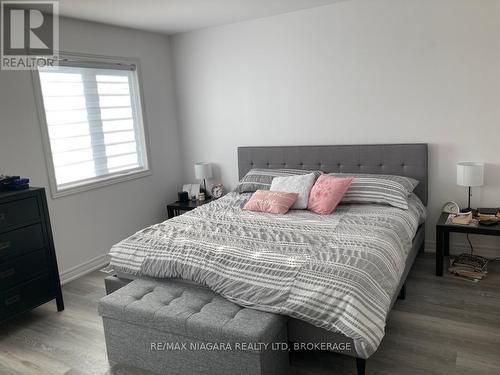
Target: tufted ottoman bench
(170,327)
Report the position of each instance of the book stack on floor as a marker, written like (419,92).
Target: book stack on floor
(469,267)
(13,183)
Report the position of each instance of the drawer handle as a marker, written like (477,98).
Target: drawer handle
(12,300)
(2,216)
(4,245)
(7,273)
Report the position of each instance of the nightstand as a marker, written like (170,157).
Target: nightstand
(443,231)
(177,208)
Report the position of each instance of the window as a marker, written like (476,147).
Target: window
(93,124)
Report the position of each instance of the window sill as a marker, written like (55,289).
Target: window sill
(58,193)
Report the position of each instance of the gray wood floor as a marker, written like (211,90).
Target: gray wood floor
(445,326)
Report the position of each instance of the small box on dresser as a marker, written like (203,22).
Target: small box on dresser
(29,275)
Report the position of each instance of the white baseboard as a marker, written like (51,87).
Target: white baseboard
(84,268)
(490,252)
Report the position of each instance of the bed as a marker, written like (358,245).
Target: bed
(162,250)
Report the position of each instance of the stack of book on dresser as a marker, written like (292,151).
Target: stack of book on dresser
(469,267)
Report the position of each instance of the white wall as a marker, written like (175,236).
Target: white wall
(380,71)
(87,224)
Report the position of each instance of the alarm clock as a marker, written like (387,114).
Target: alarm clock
(451,208)
(217,191)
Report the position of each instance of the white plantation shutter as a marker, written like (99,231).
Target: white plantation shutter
(94,123)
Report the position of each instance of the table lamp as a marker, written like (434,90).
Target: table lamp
(470,174)
(203,171)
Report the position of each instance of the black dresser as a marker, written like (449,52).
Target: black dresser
(28,267)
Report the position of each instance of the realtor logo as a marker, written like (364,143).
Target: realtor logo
(29,34)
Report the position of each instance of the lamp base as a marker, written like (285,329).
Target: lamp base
(468,209)
(204,189)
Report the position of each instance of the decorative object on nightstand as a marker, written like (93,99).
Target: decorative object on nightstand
(183,196)
(488,216)
(29,275)
(489,211)
(203,171)
(177,208)
(192,189)
(217,191)
(470,174)
(462,218)
(451,208)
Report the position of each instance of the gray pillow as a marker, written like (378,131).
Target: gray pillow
(382,189)
(261,179)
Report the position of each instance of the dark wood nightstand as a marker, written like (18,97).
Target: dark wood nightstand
(177,208)
(443,231)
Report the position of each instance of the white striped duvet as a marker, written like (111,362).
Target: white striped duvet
(337,272)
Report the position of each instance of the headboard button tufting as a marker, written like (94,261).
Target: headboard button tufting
(409,159)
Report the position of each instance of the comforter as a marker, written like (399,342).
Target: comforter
(338,272)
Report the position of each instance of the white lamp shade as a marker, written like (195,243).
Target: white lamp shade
(470,174)
(203,170)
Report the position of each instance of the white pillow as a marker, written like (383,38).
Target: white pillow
(295,184)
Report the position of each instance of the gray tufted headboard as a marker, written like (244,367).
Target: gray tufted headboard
(397,159)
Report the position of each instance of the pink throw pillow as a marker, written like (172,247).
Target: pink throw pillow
(327,192)
(273,202)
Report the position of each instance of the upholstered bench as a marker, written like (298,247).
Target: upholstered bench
(175,328)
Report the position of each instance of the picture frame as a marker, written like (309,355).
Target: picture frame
(192,189)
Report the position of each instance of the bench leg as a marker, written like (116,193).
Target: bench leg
(360,366)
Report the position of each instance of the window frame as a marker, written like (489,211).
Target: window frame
(140,117)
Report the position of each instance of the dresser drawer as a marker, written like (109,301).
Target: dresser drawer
(23,268)
(20,241)
(25,296)
(18,212)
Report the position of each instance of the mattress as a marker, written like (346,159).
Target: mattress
(338,272)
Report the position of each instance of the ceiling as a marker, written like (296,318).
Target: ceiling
(175,16)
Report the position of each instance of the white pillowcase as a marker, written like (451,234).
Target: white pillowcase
(295,184)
